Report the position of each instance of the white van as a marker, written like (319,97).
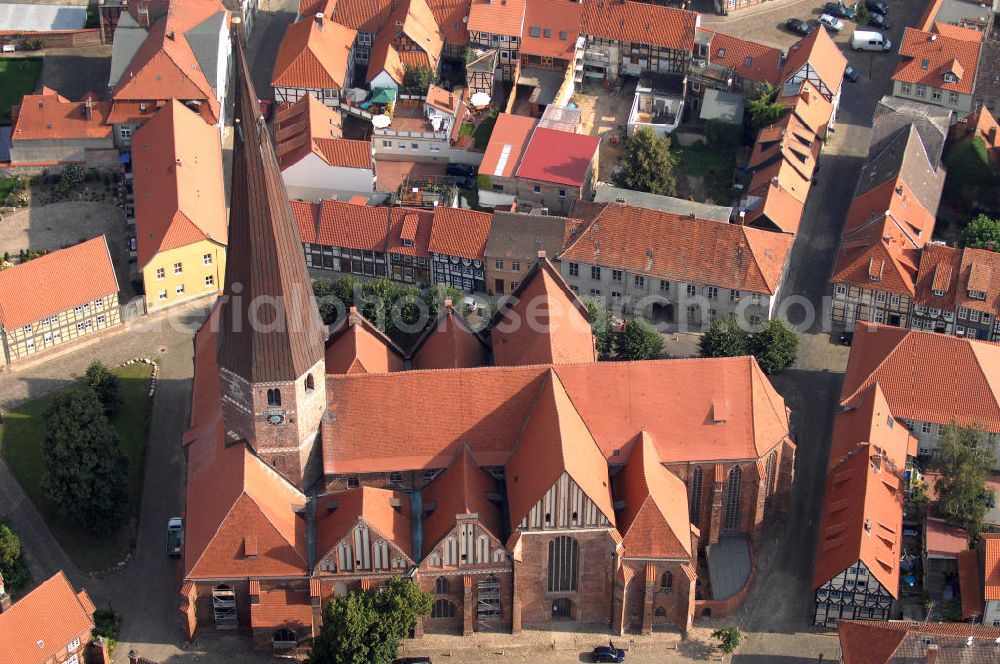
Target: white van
(869,40)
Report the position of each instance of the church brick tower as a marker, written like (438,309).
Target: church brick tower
(271,367)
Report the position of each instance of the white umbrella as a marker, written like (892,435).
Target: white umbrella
(381,121)
(480,99)
(356,94)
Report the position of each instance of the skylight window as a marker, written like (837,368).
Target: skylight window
(925,64)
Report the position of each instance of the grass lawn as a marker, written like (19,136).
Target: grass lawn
(6,186)
(715,165)
(21,441)
(484,131)
(465,129)
(17,78)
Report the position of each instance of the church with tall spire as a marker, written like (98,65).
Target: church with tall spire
(507,472)
(271,336)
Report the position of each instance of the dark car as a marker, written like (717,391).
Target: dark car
(877,6)
(799,27)
(461,170)
(851,74)
(839,10)
(879,21)
(608,654)
(846,338)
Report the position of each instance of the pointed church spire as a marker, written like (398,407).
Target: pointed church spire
(270,330)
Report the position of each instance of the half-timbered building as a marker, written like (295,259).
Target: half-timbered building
(497,25)
(314,58)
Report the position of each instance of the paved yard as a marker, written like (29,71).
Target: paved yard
(603,112)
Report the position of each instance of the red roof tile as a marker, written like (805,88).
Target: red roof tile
(640,23)
(282,608)
(778,208)
(507,143)
(497,18)
(179,193)
(559,157)
(54,283)
(655,520)
(937,277)
(51,116)
(313,55)
(459,232)
(449,344)
(898,641)
(542,322)
(451,17)
(302,127)
(341,224)
(617,400)
(360,347)
(753,61)
(555,441)
(945,540)
(37,628)
(961,385)
(991,565)
(390,175)
(460,490)
(979,272)
(551,28)
(367,16)
(970,583)
(339,513)
(941,54)
(818,51)
(411,225)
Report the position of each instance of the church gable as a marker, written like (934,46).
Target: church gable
(564,505)
(364,549)
(468,543)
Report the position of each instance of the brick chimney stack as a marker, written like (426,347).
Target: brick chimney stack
(88,110)
(5,601)
(932,653)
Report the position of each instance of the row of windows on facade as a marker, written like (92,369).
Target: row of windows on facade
(161,273)
(734,485)
(55,336)
(180,290)
(515,266)
(387,144)
(274,393)
(921,91)
(692,312)
(893,298)
(51,321)
(639,281)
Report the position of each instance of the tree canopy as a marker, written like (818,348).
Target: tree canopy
(600,324)
(729,639)
(367,627)
(417,79)
(964,463)
(775,346)
(86,470)
(763,108)
(105,386)
(639,341)
(982,233)
(648,164)
(724,338)
(12,565)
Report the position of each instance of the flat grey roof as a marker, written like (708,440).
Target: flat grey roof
(725,106)
(728,565)
(24,18)
(605,193)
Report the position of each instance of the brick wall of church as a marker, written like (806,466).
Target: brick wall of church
(466,600)
(590,603)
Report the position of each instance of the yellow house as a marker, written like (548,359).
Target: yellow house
(180,207)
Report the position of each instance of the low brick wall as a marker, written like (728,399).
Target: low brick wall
(53,38)
(721,608)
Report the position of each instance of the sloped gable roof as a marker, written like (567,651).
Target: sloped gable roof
(463,488)
(942,54)
(385,511)
(640,23)
(458,232)
(360,347)
(555,440)
(820,53)
(39,625)
(654,522)
(313,55)
(449,343)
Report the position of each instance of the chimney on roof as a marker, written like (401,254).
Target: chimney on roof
(88,109)
(541,254)
(620,199)
(932,653)
(170,35)
(319,20)
(5,601)
(993,134)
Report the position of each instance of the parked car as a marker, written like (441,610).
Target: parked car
(800,27)
(877,6)
(839,10)
(869,40)
(608,654)
(879,21)
(175,536)
(846,338)
(851,74)
(831,23)
(461,170)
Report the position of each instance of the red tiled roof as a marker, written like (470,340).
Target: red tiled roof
(820,53)
(367,16)
(640,23)
(414,19)
(945,540)
(40,625)
(391,174)
(778,207)
(982,123)
(179,193)
(991,565)
(970,583)
(51,116)
(449,344)
(980,272)
(938,273)
(962,384)
(56,282)
(941,54)
(808,106)
(414,226)
(868,457)
(957,32)
(726,255)
(542,322)
(558,157)
(551,28)
(443,100)
(898,641)
(282,608)
(555,440)
(655,520)
(342,224)
(313,55)
(459,232)
(868,642)
(497,18)
(304,128)
(451,17)
(461,489)
(365,504)
(617,400)
(360,347)
(510,136)
(753,61)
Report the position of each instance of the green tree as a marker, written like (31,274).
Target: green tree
(648,164)
(378,296)
(417,79)
(329,304)
(106,624)
(600,324)
(775,346)
(86,471)
(964,463)
(12,565)
(639,341)
(729,639)
(435,297)
(982,233)
(763,108)
(724,338)
(105,386)
(366,627)
(861,14)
